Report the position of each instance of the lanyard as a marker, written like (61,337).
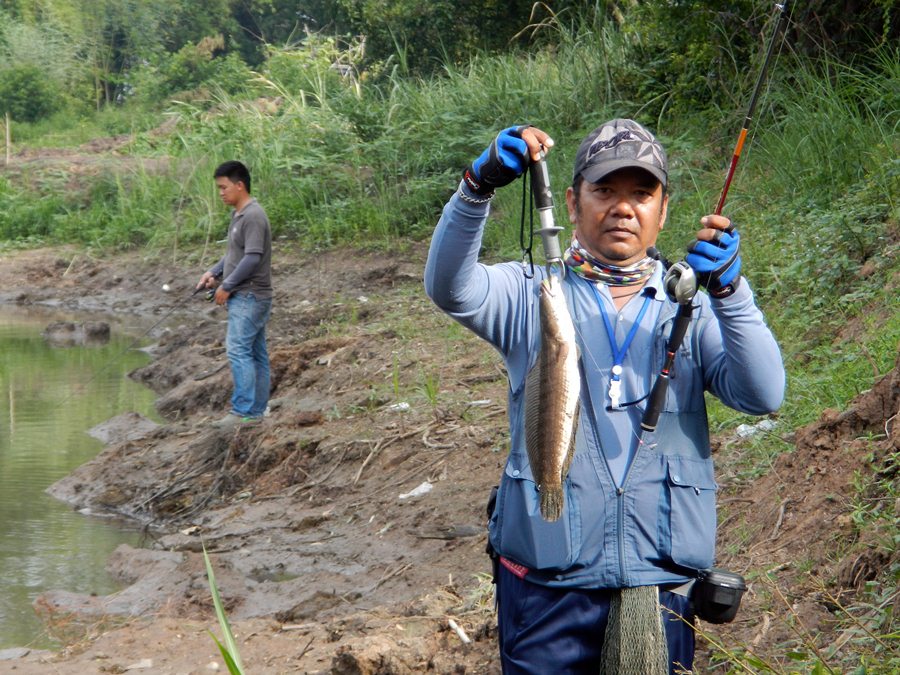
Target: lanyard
(615,380)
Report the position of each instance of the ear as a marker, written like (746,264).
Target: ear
(571,204)
(664,211)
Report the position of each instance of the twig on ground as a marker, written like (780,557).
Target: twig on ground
(429,444)
(397,571)
(780,519)
(372,453)
(316,483)
(306,648)
(418,470)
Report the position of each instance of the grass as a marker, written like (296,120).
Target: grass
(68,128)
(229,650)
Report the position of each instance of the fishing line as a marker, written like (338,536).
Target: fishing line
(527,256)
(116,359)
(768,88)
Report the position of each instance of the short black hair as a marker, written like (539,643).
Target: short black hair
(235,172)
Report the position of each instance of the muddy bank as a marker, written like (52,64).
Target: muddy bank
(306,516)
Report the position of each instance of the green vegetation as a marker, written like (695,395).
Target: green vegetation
(229,650)
(360,140)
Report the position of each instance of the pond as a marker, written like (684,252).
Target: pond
(49,398)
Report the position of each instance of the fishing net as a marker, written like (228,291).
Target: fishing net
(635,642)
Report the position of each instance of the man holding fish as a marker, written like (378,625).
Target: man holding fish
(599,525)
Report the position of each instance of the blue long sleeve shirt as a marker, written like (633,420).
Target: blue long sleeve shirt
(729,351)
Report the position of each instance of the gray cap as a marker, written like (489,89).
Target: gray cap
(618,144)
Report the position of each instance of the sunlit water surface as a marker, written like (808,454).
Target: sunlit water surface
(49,398)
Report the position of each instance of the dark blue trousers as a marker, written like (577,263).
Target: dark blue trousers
(557,631)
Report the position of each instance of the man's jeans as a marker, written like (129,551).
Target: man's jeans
(245,344)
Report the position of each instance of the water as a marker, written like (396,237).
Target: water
(49,398)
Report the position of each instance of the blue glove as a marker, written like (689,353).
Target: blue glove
(504,160)
(717,263)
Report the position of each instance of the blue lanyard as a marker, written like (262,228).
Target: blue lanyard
(619,352)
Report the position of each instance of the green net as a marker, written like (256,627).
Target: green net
(635,642)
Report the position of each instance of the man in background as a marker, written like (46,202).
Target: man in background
(243,283)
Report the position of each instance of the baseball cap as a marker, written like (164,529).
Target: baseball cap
(618,144)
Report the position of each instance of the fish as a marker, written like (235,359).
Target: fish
(552,400)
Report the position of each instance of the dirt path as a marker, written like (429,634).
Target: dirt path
(348,529)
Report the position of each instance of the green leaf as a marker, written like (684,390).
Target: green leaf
(229,662)
(233,655)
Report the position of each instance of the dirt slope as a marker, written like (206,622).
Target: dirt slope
(347,530)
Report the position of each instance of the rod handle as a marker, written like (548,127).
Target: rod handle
(540,185)
(655,402)
(661,386)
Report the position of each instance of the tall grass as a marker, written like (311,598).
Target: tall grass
(339,160)
(370,161)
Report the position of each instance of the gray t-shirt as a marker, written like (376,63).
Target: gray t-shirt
(250,232)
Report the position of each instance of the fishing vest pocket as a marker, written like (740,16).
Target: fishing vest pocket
(523,534)
(689,512)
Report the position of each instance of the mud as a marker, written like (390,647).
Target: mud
(324,562)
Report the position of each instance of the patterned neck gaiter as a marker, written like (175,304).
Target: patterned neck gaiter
(587,266)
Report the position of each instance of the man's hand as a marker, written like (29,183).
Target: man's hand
(716,256)
(506,158)
(221,296)
(206,281)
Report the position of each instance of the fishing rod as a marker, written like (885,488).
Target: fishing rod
(781,8)
(680,278)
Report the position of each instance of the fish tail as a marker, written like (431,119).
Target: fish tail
(551,503)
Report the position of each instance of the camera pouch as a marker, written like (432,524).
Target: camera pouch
(716,595)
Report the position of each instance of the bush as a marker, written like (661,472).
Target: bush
(26,93)
(194,67)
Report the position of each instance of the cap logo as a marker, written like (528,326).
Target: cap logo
(619,144)
(604,144)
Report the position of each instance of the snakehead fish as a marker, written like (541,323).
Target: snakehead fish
(552,390)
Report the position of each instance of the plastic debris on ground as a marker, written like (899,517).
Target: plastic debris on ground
(422,489)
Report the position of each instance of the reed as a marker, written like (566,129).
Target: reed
(229,650)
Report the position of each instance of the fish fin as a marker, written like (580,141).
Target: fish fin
(533,415)
(551,503)
(571,452)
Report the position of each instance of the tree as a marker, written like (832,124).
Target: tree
(283,23)
(428,34)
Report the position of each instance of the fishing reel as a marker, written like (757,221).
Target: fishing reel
(680,283)
(209,295)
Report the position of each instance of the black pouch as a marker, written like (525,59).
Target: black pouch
(716,595)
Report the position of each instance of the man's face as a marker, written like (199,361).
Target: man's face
(230,193)
(619,217)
